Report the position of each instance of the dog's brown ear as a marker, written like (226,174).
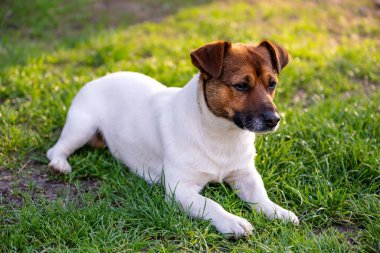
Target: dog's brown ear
(279,57)
(209,58)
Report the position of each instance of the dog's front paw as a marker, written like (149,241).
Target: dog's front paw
(287,215)
(61,165)
(233,225)
(274,211)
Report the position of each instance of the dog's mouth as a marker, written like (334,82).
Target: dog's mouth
(264,123)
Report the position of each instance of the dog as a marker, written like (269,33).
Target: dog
(201,133)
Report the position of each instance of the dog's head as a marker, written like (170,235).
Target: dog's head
(239,82)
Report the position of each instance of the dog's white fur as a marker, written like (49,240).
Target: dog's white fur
(154,130)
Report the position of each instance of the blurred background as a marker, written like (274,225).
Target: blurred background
(66,22)
(47,25)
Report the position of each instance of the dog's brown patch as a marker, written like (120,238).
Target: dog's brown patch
(97,141)
(224,65)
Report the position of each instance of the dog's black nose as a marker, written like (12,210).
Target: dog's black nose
(271,119)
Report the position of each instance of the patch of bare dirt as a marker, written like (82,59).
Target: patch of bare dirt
(115,11)
(135,11)
(107,13)
(368,87)
(36,181)
(299,97)
(343,229)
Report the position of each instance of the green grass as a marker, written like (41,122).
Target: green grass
(323,163)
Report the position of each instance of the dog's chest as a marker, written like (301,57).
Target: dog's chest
(215,165)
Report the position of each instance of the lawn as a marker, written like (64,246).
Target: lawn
(323,163)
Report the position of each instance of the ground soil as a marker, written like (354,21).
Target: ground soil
(39,181)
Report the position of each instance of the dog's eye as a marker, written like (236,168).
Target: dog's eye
(272,85)
(243,87)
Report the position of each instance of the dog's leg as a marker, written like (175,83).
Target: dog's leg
(250,188)
(78,130)
(198,206)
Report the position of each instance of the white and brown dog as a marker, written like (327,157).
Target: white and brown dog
(201,133)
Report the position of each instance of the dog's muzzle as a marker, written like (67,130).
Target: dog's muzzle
(264,122)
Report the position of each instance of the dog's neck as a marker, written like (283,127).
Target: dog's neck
(192,95)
